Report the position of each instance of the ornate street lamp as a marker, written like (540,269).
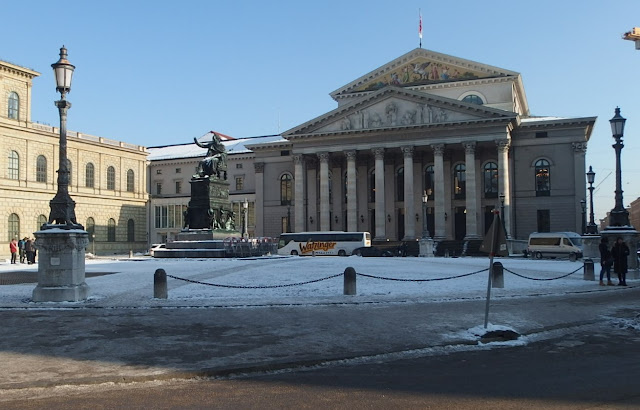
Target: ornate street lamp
(592,228)
(501,196)
(425,227)
(618,217)
(245,222)
(63,213)
(583,205)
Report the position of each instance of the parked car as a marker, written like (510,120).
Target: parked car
(156,246)
(372,251)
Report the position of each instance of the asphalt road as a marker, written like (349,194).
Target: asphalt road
(592,367)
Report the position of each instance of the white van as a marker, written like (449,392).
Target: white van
(555,245)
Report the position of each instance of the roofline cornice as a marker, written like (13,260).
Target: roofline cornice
(19,70)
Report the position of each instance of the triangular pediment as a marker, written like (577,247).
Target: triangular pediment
(422,67)
(394,107)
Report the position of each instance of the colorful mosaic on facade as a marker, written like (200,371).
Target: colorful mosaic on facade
(422,71)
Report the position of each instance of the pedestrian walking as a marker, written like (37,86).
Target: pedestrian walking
(21,243)
(13,247)
(605,261)
(30,250)
(620,252)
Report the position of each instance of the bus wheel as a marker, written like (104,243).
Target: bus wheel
(294,252)
(341,252)
(538,255)
(573,257)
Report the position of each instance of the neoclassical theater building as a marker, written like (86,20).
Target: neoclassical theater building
(108,177)
(426,122)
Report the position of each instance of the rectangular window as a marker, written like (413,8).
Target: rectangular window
(158,188)
(171,216)
(239,183)
(178,187)
(541,134)
(238,166)
(544,220)
(178,170)
(158,172)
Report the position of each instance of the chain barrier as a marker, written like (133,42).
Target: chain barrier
(421,280)
(527,277)
(254,287)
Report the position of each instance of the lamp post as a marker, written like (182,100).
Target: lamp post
(425,227)
(592,228)
(583,205)
(618,216)
(62,206)
(245,222)
(501,196)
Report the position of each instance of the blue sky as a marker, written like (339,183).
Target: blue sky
(156,73)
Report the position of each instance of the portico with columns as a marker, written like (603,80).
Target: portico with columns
(425,123)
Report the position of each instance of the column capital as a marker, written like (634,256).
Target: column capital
(258,167)
(350,154)
(298,159)
(378,153)
(503,145)
(438,149)
(323,156)
(579,147)
(407,151)
(469,147)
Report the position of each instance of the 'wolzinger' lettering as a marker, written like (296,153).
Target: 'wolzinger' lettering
(317,246)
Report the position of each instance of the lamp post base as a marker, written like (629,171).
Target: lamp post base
(61,269)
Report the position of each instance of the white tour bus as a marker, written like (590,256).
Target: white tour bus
(322,243)
(555,245)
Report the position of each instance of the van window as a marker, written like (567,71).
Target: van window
(566,242)
(548,241)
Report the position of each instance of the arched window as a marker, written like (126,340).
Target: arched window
(13,228)
(286,189)
(490,180)
(111,178)
(473,99)
(459,181)
(91,229)
(429,185)
(131,231)
(42,219)
(372,186)
(14,106)
(41,169)
(89,175)
(543,182)
(111,230)
(400,184)
(130,179)
(13,166)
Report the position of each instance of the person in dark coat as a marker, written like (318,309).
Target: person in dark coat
(605,261)
(30,250)
(620,252)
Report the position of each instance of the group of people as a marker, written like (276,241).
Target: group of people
(24,248)
(616,257)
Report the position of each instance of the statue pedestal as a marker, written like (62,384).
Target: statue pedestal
(61,270)
(631,237)
(426,248)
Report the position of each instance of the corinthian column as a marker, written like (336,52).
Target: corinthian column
(409,205)
(503,181)
(439,202)
(471,194)
(298,161)
(379,176)
(325,223)
(352,199)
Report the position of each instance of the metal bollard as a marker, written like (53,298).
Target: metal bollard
(588,270)
(497,280)
(349,281)
(160,284)
(130,254)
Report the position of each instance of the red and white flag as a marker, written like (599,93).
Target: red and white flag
(420,26)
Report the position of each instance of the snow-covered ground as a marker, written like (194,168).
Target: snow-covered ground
(131,283)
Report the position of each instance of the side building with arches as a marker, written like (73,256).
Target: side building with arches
(107,181)
(426,125)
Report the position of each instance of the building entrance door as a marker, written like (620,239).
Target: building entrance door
(460,223)
(400,222)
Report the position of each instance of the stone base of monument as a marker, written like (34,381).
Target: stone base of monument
(61,269)
(198,243)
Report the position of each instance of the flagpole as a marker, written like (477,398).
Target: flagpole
(420,27)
